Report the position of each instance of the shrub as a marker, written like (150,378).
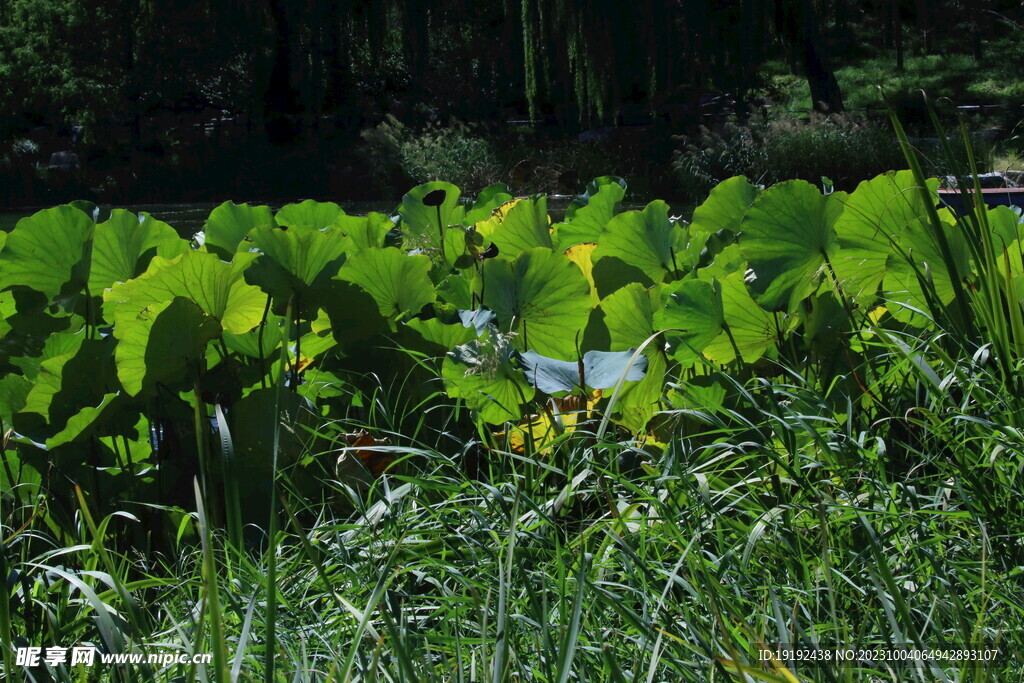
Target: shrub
(456,153)
(841,148)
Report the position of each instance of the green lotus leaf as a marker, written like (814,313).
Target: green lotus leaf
(647,240)
(876,213)
(729,260)
(161,344)
(541,296)
(628,314)
(517,226)
(53,345)
(254,344)
(14,390)
(640,401)
(919,256)
(629,319)
(399,283)
(752,327)
(588,214)
(457,289)
(309,214)
(72,380)
(489,199)
(445,336)
(124,244)
(216,287)
(87,207)
(421,221)
(787,234)
(83,420)
(601,370)
(720,215)
(693,313)
(481,373)
(826,325)
(363,232)
(1007,227)
(725,206)
(354,314)
(296,262)
(48,252)
(3,239)
(229,223)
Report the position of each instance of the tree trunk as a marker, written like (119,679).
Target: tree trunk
(799,25)
(897,33)
(281,96)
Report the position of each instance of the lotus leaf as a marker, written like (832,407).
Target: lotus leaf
(693,314)
(161,343)
(648,240)
(876,213)
(124,244)
(517,226)
(399,283)
(48,252)
(629,318)
(421,221)
(752,328)
(725,207)
(363,232)
(71,381)
(489,199)
(581,255)
(296,262)
(541,296)
(201,277)
(481,373)
(441,334)
(600,370)
(588,214)
(308,214)
(787,234)
(229,223)
(920,257)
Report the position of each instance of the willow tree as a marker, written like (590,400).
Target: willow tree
(591,60)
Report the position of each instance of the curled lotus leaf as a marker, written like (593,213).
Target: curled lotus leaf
(229,223)
(481,372)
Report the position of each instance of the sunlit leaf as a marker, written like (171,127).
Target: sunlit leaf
(48,252)
(647,240)
(398,282)
(787,234)
(541,296)
(124,244)
(229,223)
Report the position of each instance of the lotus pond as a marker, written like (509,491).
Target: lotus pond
(468,441)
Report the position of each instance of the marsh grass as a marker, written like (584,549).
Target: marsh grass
(783,521)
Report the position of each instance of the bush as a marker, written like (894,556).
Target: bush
(841,148)
(456,153)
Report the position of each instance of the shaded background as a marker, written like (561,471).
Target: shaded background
(134,101)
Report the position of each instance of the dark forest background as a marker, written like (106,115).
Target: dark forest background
(179,100)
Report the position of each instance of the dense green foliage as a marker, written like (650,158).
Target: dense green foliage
(798,406)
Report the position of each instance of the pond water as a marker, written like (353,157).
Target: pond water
(188,218)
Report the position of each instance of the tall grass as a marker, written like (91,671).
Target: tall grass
(778,521)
